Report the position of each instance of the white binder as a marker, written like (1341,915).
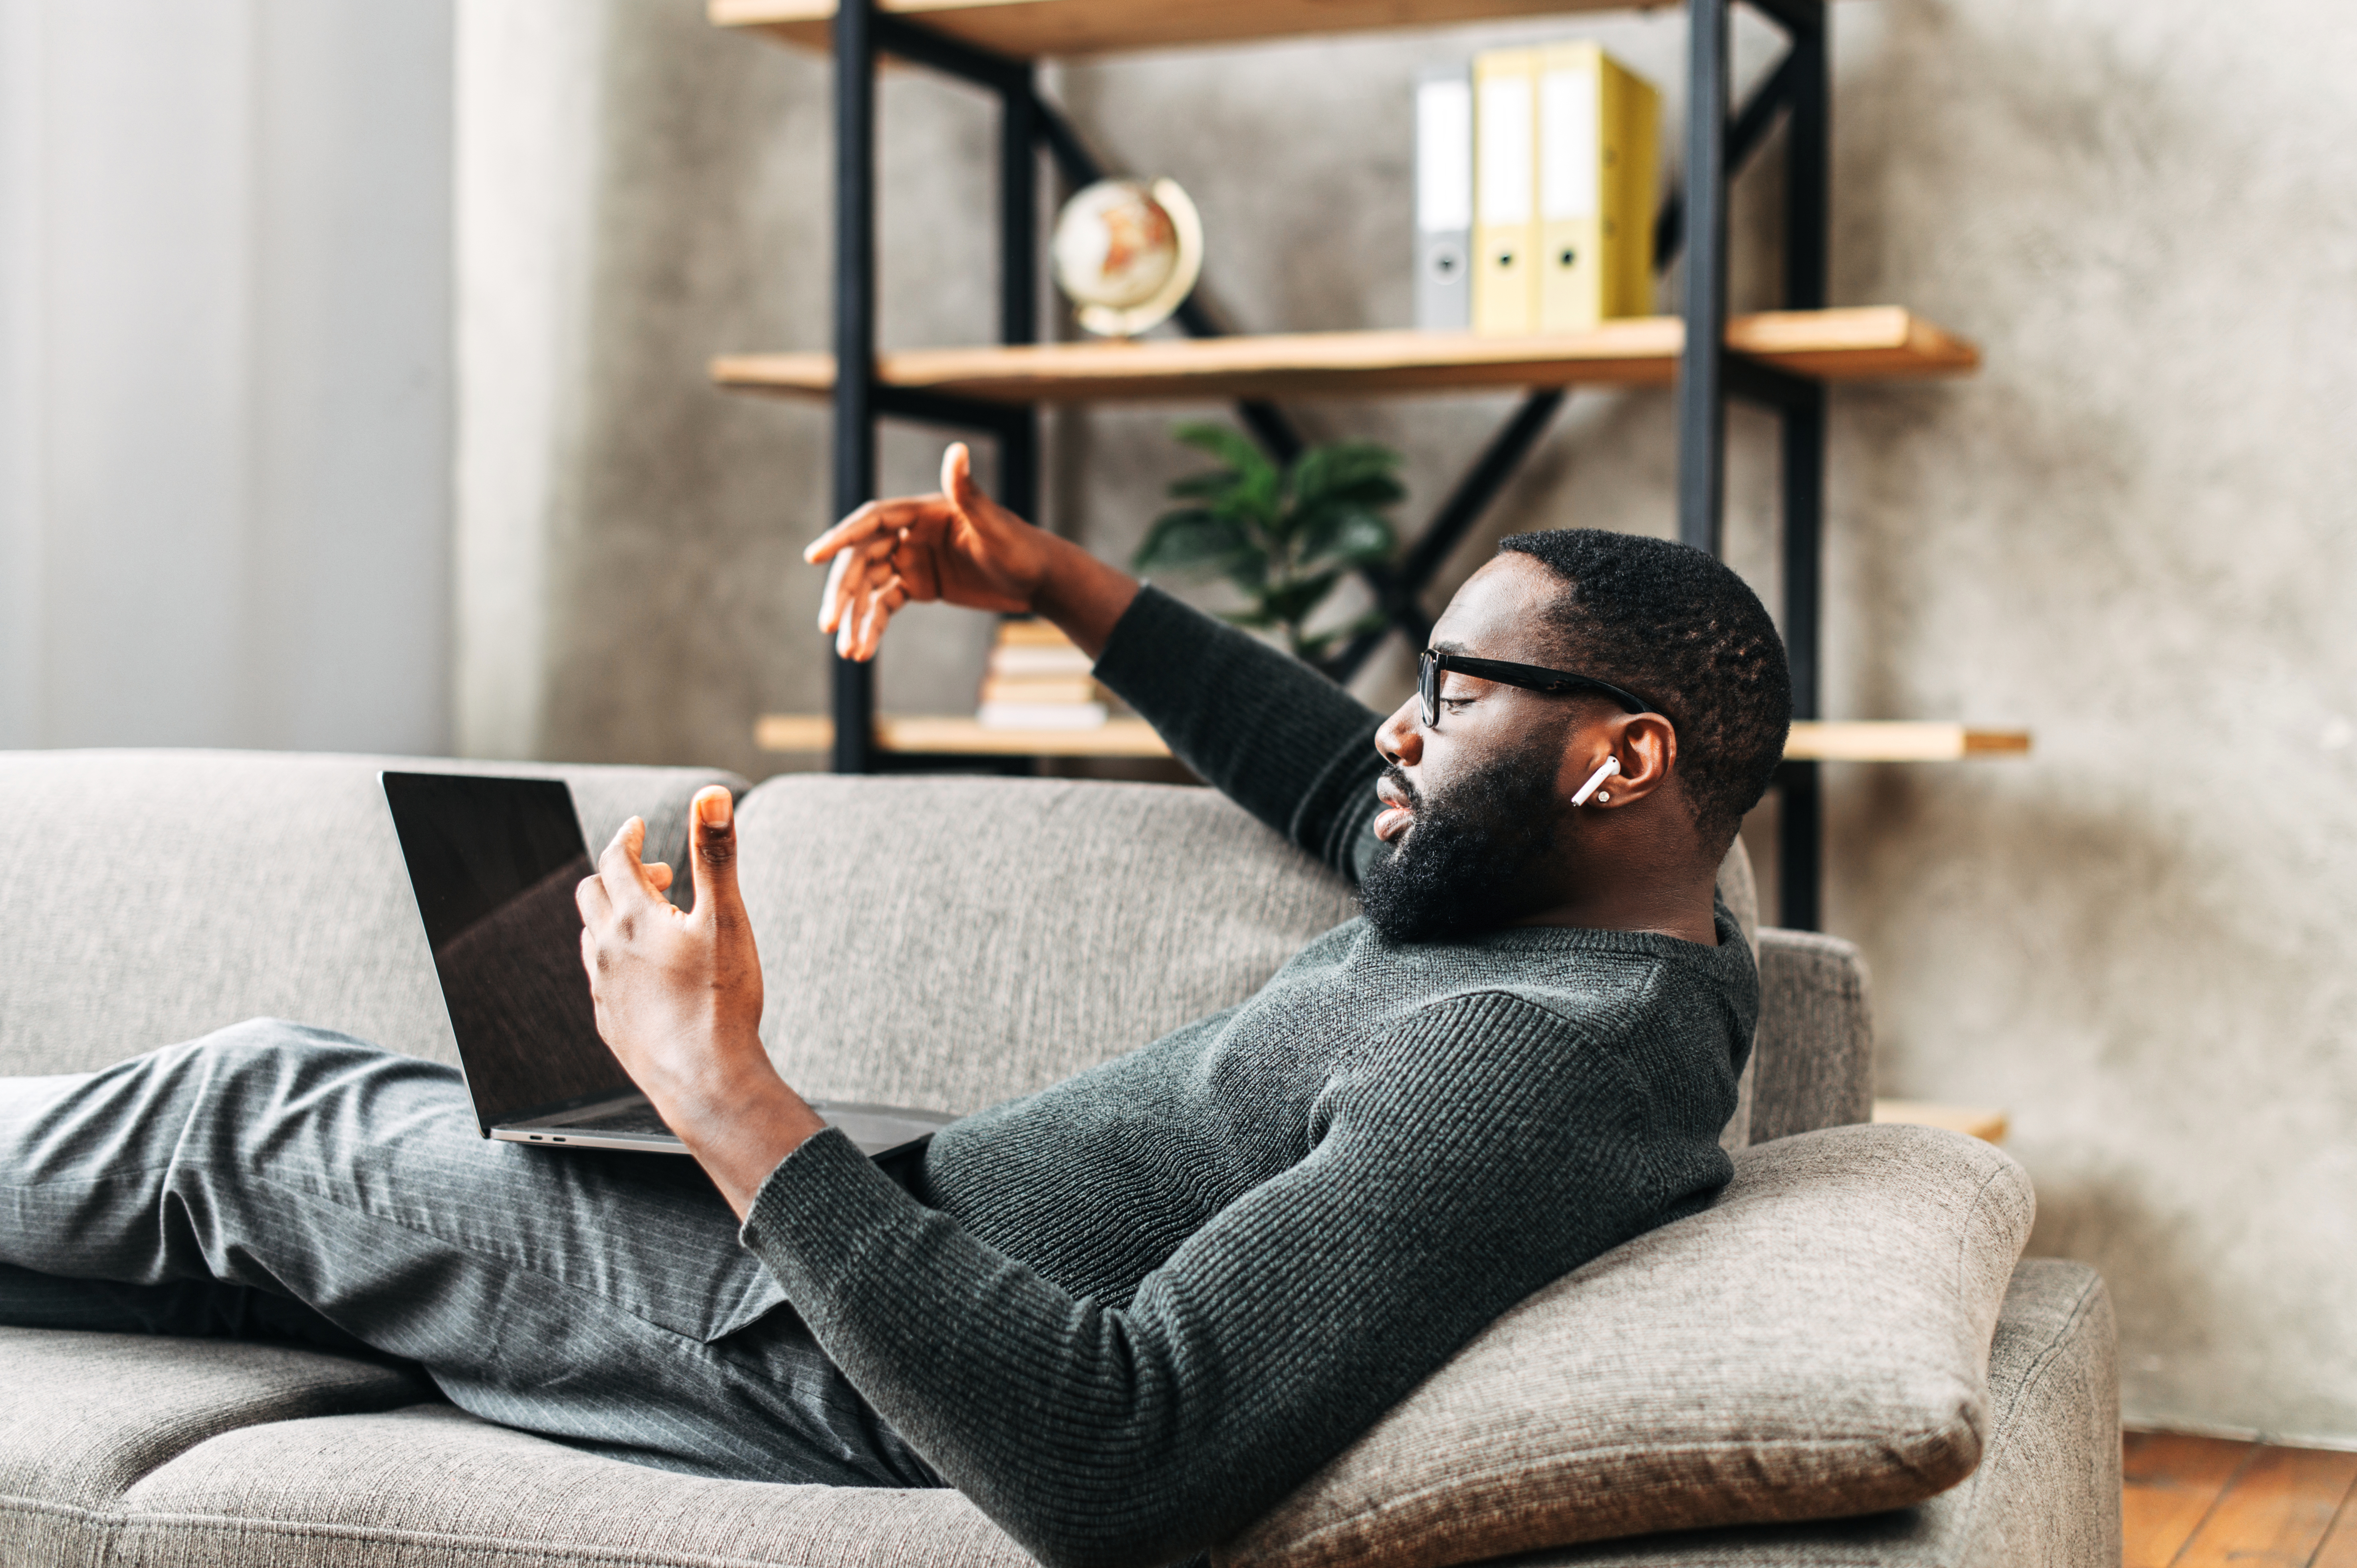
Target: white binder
(1444,199)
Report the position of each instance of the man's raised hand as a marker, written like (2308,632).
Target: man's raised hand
(679,999)
(957,545)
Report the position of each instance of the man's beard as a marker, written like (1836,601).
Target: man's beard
(1473,857)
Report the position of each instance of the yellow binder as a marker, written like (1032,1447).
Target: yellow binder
(1505,192)
(1597,143)
(1633,104)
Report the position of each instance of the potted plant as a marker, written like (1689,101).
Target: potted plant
(1284,537)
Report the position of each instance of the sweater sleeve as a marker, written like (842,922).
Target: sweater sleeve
(1482,1148)
(1279,739)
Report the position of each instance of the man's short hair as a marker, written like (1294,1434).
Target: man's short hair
(1679,629)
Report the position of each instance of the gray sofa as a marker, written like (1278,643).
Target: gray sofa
(948,942)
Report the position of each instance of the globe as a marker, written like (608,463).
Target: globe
(1126,253)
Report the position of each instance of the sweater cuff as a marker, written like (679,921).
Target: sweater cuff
(1135,661)
(819,1214)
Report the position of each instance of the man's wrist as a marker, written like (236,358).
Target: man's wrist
(1082,595)
(743,1136)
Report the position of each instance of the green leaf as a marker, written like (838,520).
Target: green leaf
(1191,542)
(1293,601)
(1256,499)
(1238,451)
(1284,537)
(1206,486)
(1248,570)
(1347,469)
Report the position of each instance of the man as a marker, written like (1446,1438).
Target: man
(1128,1313)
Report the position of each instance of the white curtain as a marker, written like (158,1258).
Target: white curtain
(225,373)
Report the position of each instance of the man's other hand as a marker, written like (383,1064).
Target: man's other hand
(961,547)
(679,1000)
(956,544)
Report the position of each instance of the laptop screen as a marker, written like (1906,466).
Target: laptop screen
(493,863)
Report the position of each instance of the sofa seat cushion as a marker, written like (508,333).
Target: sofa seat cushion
(1814,1344)
(430,1486)
(85,1417)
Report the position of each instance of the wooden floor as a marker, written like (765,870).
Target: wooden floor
(2208,1502)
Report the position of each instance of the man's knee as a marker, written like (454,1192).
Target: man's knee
(268,1036)
(275,1062)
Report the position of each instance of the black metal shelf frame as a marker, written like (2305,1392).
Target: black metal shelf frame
(1693,220)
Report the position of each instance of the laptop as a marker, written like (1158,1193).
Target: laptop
(493,863)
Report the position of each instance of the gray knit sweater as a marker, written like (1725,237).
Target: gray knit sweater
(1128,1314)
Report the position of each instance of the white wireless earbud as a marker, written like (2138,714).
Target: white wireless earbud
(1611,765)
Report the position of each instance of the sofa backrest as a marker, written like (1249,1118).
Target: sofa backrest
(157,896)
(945,942)
(951,941)
(1813,1057)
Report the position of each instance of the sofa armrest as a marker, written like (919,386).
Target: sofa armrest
(1813,1056)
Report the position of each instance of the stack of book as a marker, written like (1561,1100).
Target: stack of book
(1037,679)
(1536,181)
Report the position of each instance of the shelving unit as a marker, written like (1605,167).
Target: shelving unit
(1781,361)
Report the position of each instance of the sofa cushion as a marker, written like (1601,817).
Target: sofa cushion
(210,887)
(83,1417)
(430,1486)
(2046,1490)
(1814,1344)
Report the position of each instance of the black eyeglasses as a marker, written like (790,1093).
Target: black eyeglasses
(1530,677)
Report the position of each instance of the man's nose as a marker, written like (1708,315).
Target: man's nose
(1399,740)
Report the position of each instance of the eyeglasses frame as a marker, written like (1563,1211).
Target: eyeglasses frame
(1431,665)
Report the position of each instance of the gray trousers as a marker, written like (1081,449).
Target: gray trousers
(279,1181)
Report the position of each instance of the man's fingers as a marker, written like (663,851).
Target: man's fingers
(881,605)
(887,516)
(846,575)
(854,570)
(957,477)
(712,830)
(659,875)
(596,907)
(868,517)
(868,603)
(920,577)
(964,491)
(619,867)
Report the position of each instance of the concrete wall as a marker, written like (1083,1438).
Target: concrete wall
(224,373)
(2131,532)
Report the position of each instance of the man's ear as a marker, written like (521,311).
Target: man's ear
(1644,745)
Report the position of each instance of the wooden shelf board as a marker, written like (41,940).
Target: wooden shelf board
(1030,28)
(950,734)
(1888,740)
(1858,343)
(1974,1122)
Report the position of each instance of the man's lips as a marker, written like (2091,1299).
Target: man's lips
(1398,814)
